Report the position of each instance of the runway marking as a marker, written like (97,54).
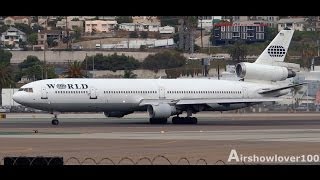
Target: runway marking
(300,135)
(16,150)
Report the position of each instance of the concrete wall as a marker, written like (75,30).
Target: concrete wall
(65,56)
(7,94)
(142,73)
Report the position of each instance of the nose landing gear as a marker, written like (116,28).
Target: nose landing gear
(55,120)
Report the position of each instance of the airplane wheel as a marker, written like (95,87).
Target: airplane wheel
(175,120)
(55,122)
(158,120)
(194,120)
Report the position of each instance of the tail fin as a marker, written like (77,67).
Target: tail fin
(276,51)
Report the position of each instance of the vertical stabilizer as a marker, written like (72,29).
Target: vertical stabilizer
(276,51)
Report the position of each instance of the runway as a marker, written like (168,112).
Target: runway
(212,139)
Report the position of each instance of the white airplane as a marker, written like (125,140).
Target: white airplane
(163,98)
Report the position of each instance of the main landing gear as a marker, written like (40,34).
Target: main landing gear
(55,120)
(158,120)
(185,120)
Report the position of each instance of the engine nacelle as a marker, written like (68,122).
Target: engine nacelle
(116,113)
(161,111)
(263,72)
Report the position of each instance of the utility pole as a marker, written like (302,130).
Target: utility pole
(44,61)
(201,31)
(86,65)
(93,67)
(181,34)
(67,32)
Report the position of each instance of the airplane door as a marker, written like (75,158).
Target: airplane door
(245,92)
(93,93)
(162,93)
(44,93)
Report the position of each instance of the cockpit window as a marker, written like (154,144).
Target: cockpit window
(26,89)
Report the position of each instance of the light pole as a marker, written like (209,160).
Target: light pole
(93,67)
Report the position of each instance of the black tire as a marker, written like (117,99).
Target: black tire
(158,120)
(55,122)
(194,120)
(175,120)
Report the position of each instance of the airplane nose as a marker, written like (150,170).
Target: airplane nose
(17,97)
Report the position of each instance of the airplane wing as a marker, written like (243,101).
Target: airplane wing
(265,91)
(224,101)
(206,101)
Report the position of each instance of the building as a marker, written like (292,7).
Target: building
(43,36)
(12,20)
(146,20)
(7,94)
(99,26)
(292,23)
(166,30)
(72,24)
(271,21)
(206,22)
(13,36)
(248,31)
(151,27)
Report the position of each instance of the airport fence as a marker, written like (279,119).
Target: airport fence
(54,161)
(157,160)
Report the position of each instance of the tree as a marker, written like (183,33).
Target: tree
(77,33)
(133,34)
(164,60)
(144,34)
(31,67)
(5,57)
(124,19)
(238,51)
(271,33)
(3,28)
(74,70)
(51,42)
(36,28)
(129,74)
(24,28)
(169,20)
(33,39)
(112,62)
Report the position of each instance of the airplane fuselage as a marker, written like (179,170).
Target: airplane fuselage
(125,95)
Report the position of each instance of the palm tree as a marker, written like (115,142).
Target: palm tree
(5,78)
(74,70)
(129,74)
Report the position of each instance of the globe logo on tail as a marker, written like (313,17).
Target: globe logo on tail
(276,51)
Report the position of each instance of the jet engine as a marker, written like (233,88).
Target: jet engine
(161,111)
(116,113)
(263,72)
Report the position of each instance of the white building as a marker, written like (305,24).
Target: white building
(207,21)
(292,23)
(166,30)
(99,26)
(152,27)
(13,36)
(7,94)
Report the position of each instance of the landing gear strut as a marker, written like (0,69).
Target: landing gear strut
(55,120)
